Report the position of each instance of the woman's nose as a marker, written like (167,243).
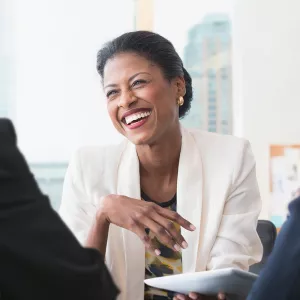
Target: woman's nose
(127,99)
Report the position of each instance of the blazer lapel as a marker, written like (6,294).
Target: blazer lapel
(189,206)
(189,197)
(129,185)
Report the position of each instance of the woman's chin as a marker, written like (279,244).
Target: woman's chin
(141,138)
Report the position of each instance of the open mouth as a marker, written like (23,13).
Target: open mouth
(136,117)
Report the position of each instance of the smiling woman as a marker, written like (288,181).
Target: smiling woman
(167,200)
(152,81)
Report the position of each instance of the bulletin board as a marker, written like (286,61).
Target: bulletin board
(284,180)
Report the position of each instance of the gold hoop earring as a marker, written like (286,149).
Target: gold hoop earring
(180,101)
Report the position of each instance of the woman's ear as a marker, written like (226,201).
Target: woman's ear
(180,84)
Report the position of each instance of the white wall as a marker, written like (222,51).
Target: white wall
(59,100)
(266,78)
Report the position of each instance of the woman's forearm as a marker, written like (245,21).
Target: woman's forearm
(97,237)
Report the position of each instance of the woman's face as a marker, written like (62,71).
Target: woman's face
(141,103)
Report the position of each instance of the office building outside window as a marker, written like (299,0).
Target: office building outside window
(207,57)
(206,54)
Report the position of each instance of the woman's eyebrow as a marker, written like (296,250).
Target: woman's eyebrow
(130,78)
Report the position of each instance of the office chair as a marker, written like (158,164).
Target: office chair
(267,233)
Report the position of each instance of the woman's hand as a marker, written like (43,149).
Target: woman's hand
(195,296)
(136,215)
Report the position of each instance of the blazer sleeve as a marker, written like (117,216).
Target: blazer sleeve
(237,243)
(77,209)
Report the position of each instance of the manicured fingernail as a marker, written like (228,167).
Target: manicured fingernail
(192,227)
(177,247)
(184,244)
(221,297)
(193,296)
(157,252)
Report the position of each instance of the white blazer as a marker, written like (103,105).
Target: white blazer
(216,191)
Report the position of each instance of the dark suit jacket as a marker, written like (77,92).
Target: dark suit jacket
(39,256)
(280,278)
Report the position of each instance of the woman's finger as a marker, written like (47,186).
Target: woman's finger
(221,296)
(179,241)
(161,233)
(175,217)
(194,296)
(139,230)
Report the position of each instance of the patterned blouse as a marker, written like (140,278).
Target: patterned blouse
(169,262)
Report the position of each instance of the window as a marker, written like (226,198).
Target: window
(203,39)
(211,47)
(211,88)
(224,73)
(56,99)
(212,107)
(225,130)
(211,75)
(212,114)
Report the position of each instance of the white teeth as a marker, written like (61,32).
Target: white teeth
(136,116)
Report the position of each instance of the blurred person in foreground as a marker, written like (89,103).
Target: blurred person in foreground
(167,200)
(280,278)
(40,259)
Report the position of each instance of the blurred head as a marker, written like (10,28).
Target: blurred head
(144,80)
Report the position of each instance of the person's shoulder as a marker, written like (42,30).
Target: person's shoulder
(7,131)
(98,153)
(219,142)
(294,206)
(95,159)
(223,150)
(6,125)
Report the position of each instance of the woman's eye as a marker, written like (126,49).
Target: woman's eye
(110,93)
(139,82)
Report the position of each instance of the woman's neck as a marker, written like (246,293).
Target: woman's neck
(162,157)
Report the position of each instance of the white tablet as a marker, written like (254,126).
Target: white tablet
(229,281)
